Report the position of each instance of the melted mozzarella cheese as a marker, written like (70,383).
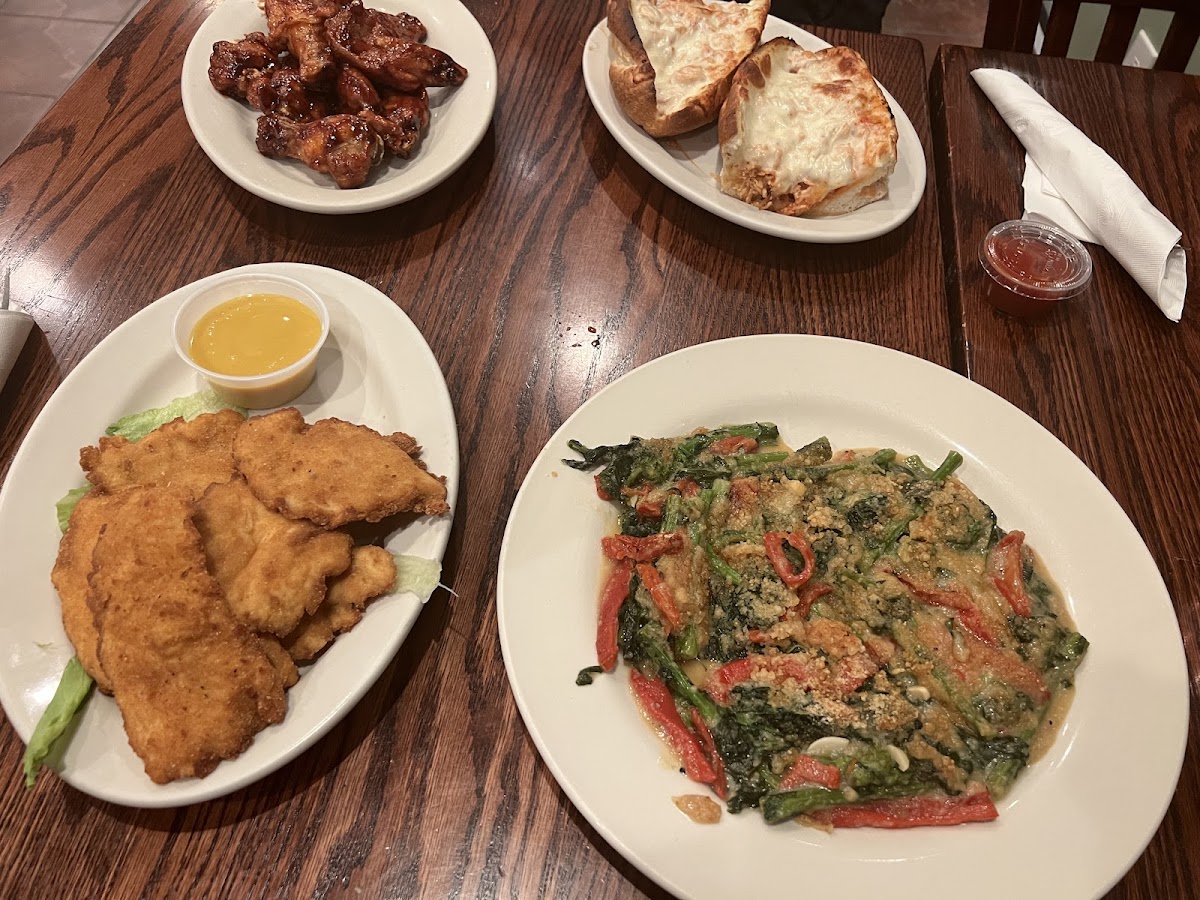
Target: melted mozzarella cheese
(801,134)
(690,46)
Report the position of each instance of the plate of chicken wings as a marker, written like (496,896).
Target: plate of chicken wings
(333,106)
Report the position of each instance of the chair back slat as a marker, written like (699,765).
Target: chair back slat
(1180,41)
(1060,27)
(1012,25)
(1118,31)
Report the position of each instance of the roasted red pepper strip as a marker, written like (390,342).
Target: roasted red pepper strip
(720,785)
(660,594)
(616,589)
(727,446)
(910,812)
(659,705)
(688,488)
(641,549)
(600,492)
(1006,571)
(965,610)
(650,509)
(813,591)
(807,770)
(723,680)
(773,541)
(982,659)
(781,667)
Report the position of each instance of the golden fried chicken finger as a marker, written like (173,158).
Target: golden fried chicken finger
(70,579)
(272,569)
(191,455)
(333,472)
(193,684)
(372,573)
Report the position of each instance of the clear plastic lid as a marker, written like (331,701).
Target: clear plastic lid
(1036,260)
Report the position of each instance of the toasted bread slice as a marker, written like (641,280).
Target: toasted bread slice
(806,134)
(673,60)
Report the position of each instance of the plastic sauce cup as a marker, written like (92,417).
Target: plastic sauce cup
(1031,267)
(252,391)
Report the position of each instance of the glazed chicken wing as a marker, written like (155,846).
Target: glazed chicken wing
(298,26)
(251,70)
(355,91)
(233,65)
(343,146)
(402,122)
(385,48)
(283,91)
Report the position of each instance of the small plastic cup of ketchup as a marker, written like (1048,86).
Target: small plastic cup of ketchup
(1031,267)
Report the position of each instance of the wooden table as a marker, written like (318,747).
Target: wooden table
(547,266)
(1107,373)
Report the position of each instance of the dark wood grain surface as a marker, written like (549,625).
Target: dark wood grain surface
(1106,372)
(544,268)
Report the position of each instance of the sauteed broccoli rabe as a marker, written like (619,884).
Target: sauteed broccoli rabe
(848,637)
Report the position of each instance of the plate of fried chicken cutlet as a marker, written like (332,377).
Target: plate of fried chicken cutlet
(233,582)
(337,106)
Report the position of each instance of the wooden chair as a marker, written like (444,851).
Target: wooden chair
(1011,25)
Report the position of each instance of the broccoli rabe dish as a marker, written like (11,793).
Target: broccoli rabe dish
(850,637)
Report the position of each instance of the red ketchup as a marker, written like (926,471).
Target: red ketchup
(1031,267)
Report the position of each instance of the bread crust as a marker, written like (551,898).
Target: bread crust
(839,73)
(632,75)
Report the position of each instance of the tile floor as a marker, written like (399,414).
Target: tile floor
(44,44)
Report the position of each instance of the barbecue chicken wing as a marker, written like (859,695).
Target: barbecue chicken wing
(402,122)
(343,146)
(384,48)
(233,65)
(298,26)
(250,70)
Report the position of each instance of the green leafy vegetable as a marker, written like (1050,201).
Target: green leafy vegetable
(136,426)
(416,574)
(73,689)
(66,505)
(586,676)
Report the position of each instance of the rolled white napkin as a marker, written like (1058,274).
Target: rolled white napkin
(14,329)
(1098,193)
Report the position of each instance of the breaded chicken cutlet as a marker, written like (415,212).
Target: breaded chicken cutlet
(372,572)
(193,685)
(185,454)
(333,472)
(70,579)
(271,568)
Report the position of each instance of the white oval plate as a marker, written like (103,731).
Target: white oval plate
(459,116)
(689,164)
(375,369)
(1069,828)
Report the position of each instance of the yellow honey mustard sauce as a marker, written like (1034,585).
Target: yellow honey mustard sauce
(254,335)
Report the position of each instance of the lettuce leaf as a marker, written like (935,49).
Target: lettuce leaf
(136,426)
(73,689)
(421,576)
(66,505)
